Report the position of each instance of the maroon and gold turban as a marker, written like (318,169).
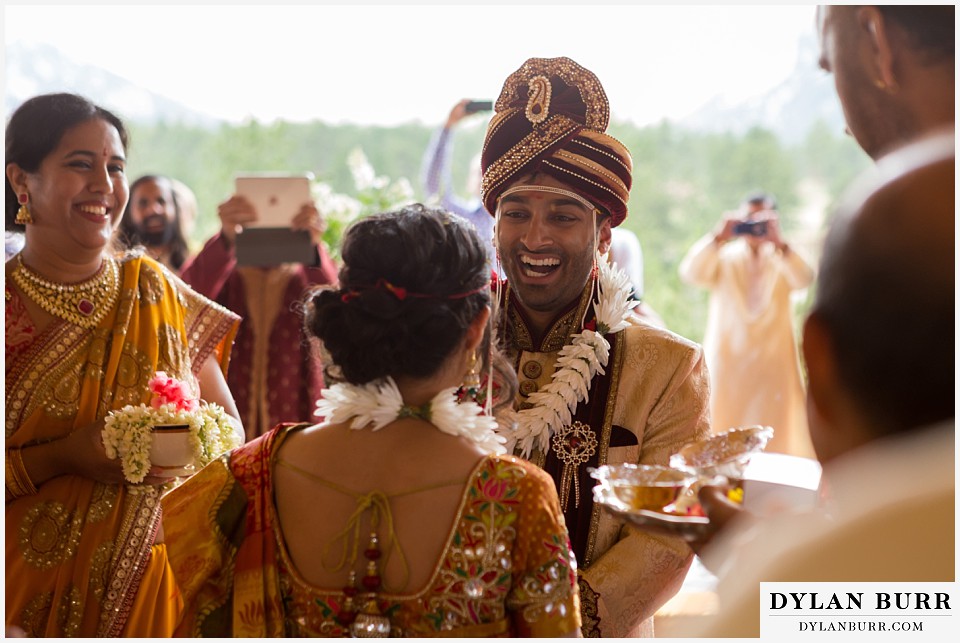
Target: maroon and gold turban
(551,117)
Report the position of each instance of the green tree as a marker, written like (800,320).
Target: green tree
(682,180)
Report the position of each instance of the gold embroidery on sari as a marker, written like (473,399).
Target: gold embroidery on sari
(151,286)
(99,569)
(170,357)
(133,373)
(97,353)
(49,534)
(65,394)
(128,298)
(541,592)
(474,583)
(489,553)
(102,502)
(134,539)
(32,382)
(70,612)
(42,362)
(34,617)
(40,386)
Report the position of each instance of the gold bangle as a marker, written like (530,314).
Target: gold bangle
(9,479)
(16,477)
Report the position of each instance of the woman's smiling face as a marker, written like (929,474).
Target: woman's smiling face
(78,193)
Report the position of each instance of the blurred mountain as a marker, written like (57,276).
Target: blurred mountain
(40,69)
(790,109)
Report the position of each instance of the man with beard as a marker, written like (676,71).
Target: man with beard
(152,219)
(597,384)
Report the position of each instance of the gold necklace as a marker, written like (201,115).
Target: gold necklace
(84,304)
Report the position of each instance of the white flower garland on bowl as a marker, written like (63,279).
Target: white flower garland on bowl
(586,355)
(379,403)
(128,432)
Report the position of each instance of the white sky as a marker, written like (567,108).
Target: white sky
(388,64)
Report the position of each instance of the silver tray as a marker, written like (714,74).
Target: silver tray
(689,528)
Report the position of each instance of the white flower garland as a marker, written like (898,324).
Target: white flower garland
(128,434)
(586,355)
(378,403)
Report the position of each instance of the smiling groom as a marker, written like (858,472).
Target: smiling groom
(597,384)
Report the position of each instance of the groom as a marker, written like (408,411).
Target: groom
(632,392)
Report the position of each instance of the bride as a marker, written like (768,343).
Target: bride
(397,514)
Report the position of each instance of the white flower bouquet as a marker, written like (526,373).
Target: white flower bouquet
(128,433)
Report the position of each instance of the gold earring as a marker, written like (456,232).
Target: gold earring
(892,88)
(472,379)
(23,214)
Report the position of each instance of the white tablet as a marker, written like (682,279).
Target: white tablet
(276,197)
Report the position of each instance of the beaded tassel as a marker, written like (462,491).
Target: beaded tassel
(349,610)
(370,623)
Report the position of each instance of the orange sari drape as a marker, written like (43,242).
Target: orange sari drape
(78,551)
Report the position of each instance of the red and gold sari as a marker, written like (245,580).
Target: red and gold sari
(506,569)
(80,555)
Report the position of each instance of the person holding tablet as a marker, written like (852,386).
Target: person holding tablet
(273,376)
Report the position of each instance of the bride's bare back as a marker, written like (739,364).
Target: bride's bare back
(422,472)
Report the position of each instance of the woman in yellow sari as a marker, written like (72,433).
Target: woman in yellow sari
(84,334)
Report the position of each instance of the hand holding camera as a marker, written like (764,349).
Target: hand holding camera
(761,225)
(465,108)
(474,106)
(750,228)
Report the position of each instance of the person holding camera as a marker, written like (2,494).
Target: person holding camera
(750,344)
(436,175)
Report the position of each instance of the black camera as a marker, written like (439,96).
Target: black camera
(752,228)
(475,106)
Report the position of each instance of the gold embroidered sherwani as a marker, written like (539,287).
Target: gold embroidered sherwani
(652,400)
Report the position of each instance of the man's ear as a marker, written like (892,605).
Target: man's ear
(880,64)
(822,381)
(837,423)
(604,235)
